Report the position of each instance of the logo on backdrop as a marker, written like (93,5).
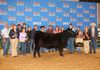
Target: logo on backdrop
(36,23)
(72,19)
(3,12)
(92,15)
(52,4)
(79,15)
(3,2)
(92,7)
(66,23)
(66,14)
(44,10)
(36,3)
(58,18)
(79,24)
(58,9)
(72,10)
(20,3)
(12,18)
(20,13)
(86,19)
(28,18)
(66,5)
(44,19)
(36,13)
(52,23)
(51,13)
(86,11)
(79,6)
(11,8)
(28,9)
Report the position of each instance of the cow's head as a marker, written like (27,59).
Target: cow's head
(68,33)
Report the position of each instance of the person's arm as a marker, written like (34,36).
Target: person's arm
(77,36)
(89,33)
(32,33)
(11,34)
(2,34)
(96,32)
(83,36)
(26,37)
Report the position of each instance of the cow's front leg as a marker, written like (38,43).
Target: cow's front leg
(38,51)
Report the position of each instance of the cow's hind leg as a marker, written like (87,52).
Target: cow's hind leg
(34,52)
(60,51)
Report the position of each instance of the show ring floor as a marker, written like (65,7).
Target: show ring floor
(52,61)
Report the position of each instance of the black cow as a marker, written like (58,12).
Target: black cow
(51,40)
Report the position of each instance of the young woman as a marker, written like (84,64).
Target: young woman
(0,40)
(28,40)
(14,41)
(86,40)
(79,41)
(50,29)
(57,29)
(22,40)
(62,29)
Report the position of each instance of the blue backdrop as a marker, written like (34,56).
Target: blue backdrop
(47,12)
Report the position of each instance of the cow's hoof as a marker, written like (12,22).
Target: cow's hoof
(61,55)
(39,55)
(34,56)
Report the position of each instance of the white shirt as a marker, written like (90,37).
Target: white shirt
(93,31)
(5,32)
(22,37)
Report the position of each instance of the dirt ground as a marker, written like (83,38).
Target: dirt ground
(52,61)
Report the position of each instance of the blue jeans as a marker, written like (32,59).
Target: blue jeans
(79,49)
(93,45)
(28,46)
(19,48)
(6,46)
(71,44)
(0,43)
(32,46)
(23,47)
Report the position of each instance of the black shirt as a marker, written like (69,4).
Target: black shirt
(29,35)
(86,38)
(13,34)
(72,33)
(18,32)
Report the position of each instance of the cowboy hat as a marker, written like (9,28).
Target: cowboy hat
(92,24)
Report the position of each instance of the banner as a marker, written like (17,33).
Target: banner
(48,12)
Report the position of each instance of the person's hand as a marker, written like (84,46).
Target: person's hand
(13,36)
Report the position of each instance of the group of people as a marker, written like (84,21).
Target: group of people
(18,39)
(15,39)
(86,39)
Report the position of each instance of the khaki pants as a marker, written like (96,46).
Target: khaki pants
(14,43)
(86,46)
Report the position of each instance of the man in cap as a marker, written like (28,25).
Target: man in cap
(93,37)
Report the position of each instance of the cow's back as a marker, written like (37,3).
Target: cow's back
(47,40)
